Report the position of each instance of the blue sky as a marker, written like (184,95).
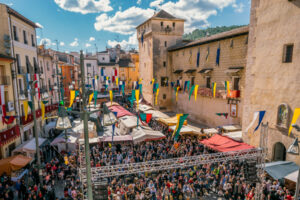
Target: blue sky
(82,24)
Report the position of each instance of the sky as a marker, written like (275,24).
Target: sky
(90,25)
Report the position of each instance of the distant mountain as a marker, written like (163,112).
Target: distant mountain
(197,34)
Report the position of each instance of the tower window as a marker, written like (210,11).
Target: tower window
(165,43)
(173,24)
(164,63)
(207,82)
(288,53)
(161,23)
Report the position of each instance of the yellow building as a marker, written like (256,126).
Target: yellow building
(22,35)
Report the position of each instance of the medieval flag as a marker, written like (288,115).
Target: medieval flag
(180,120)
(258,114)
(218,56)
(196,91)
(294,119)
(191,91)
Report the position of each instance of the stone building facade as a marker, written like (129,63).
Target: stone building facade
(155,35)
(272,74)
(203,70)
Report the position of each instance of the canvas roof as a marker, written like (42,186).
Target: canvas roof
(120,111)
(143,133)
(224,144)
(129,121)
(144,107)
(236,135)
(13,163)
(156,114)
(170,121)
(29,146)
(188,129)
(61,139)
(122,138)
(281,169)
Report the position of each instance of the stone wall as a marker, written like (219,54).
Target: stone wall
(269,81)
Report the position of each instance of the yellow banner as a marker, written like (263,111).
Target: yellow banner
(91,97)
(157,92)
(111,96)
(140,81)
(43,110)
(117,81)
(137,98)
(214,89)
(177,93)
(72,97)
(196,91)
(153,80)
(25,103)
(294,120)
(228,88)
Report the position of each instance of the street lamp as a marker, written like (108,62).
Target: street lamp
(63,123)
(294,148)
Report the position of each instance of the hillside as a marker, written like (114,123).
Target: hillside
(196,34)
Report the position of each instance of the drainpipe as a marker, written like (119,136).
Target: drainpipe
(14,72)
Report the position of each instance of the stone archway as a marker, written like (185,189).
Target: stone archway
(279,152)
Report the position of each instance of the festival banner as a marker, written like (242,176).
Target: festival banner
(111,96)
(218,56)
(157,92)
(227,88)
(43,110)
(188,85)
(91,97)
(180,122)
(222,114)
(117,81)
(72,97)
(95,97)
(214,87)
(137,97)
(294,119)
(257,114)
(196,91)
(191,91)
(198,58)
(25,103)
(177,89)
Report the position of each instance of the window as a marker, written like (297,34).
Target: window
(47,66)
(25,37)
(88,64)
(231,43)
(208,82)
(49,83)
(236,83)
(164,63)
(173,24)
(27,64)
(164,96)
(18,62)
(164,81)
(32,41)
(283,115)
(193,81)
(165,43)
(15,33)
(288,53)
(161,24)
(102,58)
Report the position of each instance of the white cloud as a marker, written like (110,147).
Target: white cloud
(123,22)
(239,8)
(92,39)
(53,43)
(37,37)
(85,6)
(45,41)
(61,44)
(139,2)
(39,25)
(125,44)
(120,8)
(74,43)
(87,45)
(195,12)
(156,3)
(67,52)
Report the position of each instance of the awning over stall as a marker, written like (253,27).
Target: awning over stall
(14,163)
(224,144)
(188,130)
(28,147)
(170,121)
(108,104)
(120,111)
(143,133)
(236,135)
(281,169)
(156,114)
(123,138)
(144,107)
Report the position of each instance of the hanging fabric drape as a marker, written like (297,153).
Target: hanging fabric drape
(218,56)
(188,85)
(43,110)
(184,87)
(141,89)
(25,104)
(180,120)
(117,81)
(177,89)
(137,97)
(72,97)
(191,91)
(157,92)
(198,58)
(196,91)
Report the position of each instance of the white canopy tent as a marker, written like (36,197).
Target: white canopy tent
(28,148)
(143,133)
(236,135)
(156,114)
(144,107)
(60,142)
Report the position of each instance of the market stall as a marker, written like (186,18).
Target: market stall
(13,163)
(224,144)
(29,147)
(120,111)
(156,114)
(122,138)
(127,123)
(231,128)
(189,130)
(144,107)
(143,133)
(60,142)
(282,169)
(108,104)
(236,135)
(210,131)
(170,121)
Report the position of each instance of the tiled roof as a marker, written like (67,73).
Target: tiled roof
(124,62)
(106,64)
(228,34)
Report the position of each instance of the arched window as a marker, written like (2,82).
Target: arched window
(279,152)
(283,115)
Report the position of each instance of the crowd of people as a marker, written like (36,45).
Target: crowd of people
(225,180)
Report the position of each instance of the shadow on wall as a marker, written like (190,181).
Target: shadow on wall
(295,2)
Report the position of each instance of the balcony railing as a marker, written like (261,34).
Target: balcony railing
(4,80)
(220,93)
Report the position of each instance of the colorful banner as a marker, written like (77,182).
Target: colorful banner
(222,114)
(184,87)
(72,97)
(188,85)
(145,117)
(141,89)
(95,97)
(25,103)
(137,97)
(117,81)
(214,87)
(294,119)
(152,82)
(123,89)
(91,97)
(227,88)
(218,56)
(180,122)
(111,96)
(172,84)
(196,91)
(177,89)
(157,92)
(198,58)
(43,110)
(255,116)
(191,91)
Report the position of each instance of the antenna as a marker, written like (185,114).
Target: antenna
(56,41)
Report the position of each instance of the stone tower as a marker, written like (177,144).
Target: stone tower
(155,35)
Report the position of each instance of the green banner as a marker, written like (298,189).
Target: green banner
(181,121)
(191,91)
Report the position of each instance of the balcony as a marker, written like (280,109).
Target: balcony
(234,94)
(4,80)
(30,117)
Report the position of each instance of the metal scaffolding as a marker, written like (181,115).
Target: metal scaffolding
(99,173)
